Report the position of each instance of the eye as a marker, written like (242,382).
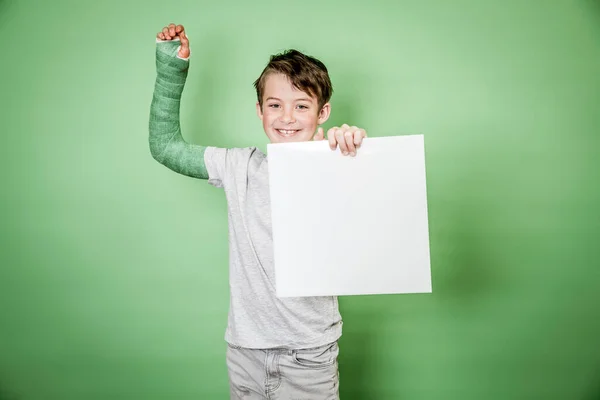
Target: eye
(302,107)
(273,105)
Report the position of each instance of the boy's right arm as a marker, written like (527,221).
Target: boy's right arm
(166,142)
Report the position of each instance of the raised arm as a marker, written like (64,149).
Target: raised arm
(166,143)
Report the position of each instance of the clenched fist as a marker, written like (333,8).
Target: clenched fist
(172,32)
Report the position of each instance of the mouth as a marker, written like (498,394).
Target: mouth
(287,132)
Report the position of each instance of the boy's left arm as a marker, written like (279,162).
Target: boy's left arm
(349,138)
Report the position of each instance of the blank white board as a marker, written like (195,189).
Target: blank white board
(350,225)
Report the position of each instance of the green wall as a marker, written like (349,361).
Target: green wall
(113,277)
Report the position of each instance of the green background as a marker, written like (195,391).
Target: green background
(113,279)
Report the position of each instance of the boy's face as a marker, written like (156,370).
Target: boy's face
(288,114)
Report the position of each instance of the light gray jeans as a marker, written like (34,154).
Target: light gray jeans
(283,374)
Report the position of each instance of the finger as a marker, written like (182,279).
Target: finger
(166,33)
(358,138)
(331,138)
(160,36)
(345,126)
(352,143)
(179,29)
(320,135)
(349,137)
(172,29)
(339,137)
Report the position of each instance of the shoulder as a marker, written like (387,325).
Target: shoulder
(235,158)
(234,153)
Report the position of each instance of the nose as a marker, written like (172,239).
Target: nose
(287,116)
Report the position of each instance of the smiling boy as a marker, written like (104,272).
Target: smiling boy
(278,348)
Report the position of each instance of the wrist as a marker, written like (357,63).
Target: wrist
(167,56)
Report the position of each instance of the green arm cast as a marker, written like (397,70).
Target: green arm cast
(166,143)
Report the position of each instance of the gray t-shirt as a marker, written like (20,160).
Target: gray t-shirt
(257,317)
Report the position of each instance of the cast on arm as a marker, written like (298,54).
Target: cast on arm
(167,145)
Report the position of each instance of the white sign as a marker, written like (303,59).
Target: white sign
(350,225)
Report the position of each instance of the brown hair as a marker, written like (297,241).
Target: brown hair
(306,73)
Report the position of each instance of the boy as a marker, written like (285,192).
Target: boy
(278,348)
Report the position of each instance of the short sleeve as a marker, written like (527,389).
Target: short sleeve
(228,165)
(215,160)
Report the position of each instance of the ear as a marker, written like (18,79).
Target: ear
(324,113)
(259,111)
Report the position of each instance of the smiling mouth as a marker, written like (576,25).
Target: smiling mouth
(287,132)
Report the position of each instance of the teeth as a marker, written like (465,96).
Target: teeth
(287,131)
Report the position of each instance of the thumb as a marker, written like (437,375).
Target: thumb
(320,135)
(184,52)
